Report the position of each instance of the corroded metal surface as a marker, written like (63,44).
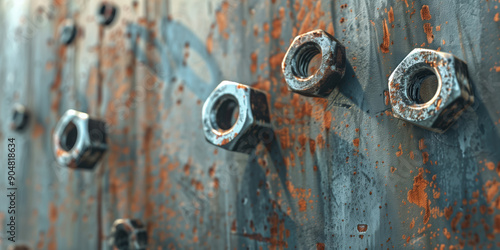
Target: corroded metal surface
(342,172)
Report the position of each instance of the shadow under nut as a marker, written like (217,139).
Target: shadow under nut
(304,48)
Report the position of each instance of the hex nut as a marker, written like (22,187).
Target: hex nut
(79,141)
(20,117)
(67,32)
(128,234)
(252,125)
(106,13)
(304,48)
(453,92)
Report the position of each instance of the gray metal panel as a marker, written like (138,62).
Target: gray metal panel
(335,163)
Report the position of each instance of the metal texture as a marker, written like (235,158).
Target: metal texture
(127,234)
(338,164)
(453,91)
(321,81)
(248,126)
(79,141)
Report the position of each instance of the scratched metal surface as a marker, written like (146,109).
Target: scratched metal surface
(336,162)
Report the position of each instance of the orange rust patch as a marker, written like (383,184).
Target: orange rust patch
(455,221)
(417,195)
(446,233)
(412,224)
(275,60)
(391,15)
(302,205)
(428,32)
(490,165)
(221,18)
(400,152)
(253,65)
(425,157)
(312,146)
(496,18)
(355,142)
(425,14)
(384,47)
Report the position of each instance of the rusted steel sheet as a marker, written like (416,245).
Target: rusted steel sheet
(342,172)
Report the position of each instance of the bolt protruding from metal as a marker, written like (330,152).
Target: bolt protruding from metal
(67,32)
(106,13)
(128,234)
(20,117)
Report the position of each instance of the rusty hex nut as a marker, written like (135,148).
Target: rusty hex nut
(79,141)
(453,91)
(304,48)
(128,234)
(236,117)
(20,117)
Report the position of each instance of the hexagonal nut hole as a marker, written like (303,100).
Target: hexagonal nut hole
(79,141)
(314,64)
(236,117)
(430,89)
(127,234)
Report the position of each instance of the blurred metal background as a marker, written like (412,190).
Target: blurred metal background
(337,162)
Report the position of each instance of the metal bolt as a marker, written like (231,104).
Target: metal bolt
(106,13)
(67,32)
(20,117)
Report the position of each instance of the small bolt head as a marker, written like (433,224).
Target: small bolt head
(20,117)
(106,13)
(67,32)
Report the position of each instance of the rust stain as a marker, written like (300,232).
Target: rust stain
(355,142)
(418,196)
(391,15)
(253,65)
(384,47)
(496,18)
(425,14)
(428,32)
(275,60)
(455,221)
(302,205)
(425,157)
(210,43)
(400,152)
(221,18)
